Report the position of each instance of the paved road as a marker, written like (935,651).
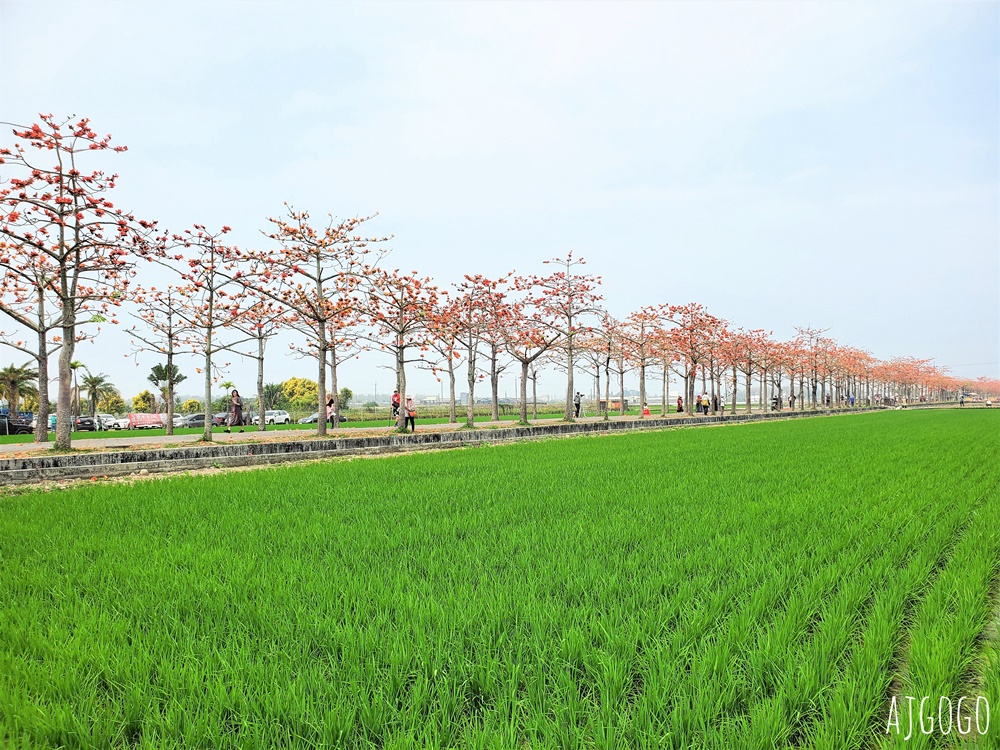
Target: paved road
(110,441)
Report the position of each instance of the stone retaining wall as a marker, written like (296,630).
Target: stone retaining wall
(118,462)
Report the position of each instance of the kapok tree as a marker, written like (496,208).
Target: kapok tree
(399,307)
(444,328)
(23,301)
(692,337)
(259,318)
(161,329)
(641,336)
(499,316)
(68,251)
(750,346)
(470,318)
(209,294)
(593,350)
(566,299)
(319,276)
(812,344)
(527,337)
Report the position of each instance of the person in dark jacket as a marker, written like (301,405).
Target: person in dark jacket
(236,412)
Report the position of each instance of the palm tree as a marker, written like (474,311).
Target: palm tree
(270,396)
(15,381)
(165,377)
(75,405)
(97,387)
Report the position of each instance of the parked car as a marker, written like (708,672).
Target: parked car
(277,416)
(221,419)
(52,422)
(14,426)
(314,418)
(105,421)
(193,420)
(85,423)
(120,423)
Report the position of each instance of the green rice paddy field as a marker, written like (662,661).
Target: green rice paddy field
(757,586)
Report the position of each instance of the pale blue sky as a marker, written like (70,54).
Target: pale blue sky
(792,163)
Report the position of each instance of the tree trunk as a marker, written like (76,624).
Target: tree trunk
(713,399)
(494,385)
(169,426)
(734,381)
(665,407)
(64,420)
(524,391)
(534,396)
(261,406)
(452,411)
(334,390)
(42,422)
(692,382)
(597,386)
(747,382)
(621,388)
(470,406)
(401,385)
(607,388)
(642,388)
(207,429)
(568,413)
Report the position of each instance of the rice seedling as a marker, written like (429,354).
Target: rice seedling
(757,586)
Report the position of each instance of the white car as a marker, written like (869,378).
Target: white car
(277,416)
(105,421)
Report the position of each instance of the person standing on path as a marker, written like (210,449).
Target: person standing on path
(576,404)
(680,404)
(395,405)
(961,400)
(331,411)
(235,412)
(411,414)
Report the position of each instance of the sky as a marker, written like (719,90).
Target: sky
(824,164)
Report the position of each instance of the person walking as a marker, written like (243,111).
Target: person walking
(961,400)
(705,403)
(697,404)
(680,404)
(331,411)
(411,414)
(395,405)
(577,399)
(235,411)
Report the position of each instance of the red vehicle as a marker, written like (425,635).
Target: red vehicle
(145,421)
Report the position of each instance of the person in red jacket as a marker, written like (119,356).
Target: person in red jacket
(395,405)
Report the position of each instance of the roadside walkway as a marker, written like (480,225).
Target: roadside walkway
(116,441)
(119,441)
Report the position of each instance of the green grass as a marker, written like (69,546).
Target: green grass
(756,586)
(112,434)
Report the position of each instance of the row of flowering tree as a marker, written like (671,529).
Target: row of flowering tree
(71,260)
